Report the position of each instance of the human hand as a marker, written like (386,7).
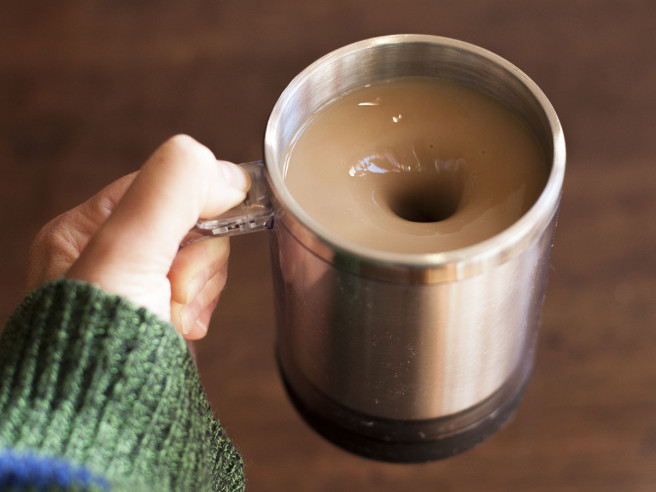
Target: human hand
(126,239)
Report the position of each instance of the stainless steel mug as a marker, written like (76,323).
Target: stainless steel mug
(403,357)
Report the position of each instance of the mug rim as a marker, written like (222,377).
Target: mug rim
(442,266)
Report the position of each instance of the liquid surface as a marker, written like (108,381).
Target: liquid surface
(415,166)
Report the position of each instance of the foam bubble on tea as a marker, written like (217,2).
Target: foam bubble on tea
(415,165)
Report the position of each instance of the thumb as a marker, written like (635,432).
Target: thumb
(132,252)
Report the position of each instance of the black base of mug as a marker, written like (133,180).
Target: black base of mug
(406,441)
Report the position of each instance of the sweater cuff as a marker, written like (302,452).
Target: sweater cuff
(89,377)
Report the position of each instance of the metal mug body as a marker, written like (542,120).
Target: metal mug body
(408,357)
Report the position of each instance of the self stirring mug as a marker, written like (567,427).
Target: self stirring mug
(403,357)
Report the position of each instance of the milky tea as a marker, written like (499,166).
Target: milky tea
(415,165)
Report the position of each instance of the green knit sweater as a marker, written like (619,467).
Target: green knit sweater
(110,394)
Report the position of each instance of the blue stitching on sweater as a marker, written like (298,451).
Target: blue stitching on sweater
(23,469)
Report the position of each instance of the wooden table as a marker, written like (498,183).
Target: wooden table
(89,88)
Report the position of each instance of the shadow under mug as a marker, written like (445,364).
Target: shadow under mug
(402,357)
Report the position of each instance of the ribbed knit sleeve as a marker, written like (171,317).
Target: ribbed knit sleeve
(89,378)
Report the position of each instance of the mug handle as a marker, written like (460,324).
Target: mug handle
(254,214)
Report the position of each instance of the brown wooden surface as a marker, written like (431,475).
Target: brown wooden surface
(89,88)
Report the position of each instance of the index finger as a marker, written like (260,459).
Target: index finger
(180,183)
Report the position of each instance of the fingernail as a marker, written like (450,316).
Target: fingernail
(202,327)
(188,318)
(186,326)
(235,176)
(197,284)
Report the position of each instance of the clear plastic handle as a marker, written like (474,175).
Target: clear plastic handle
(255,213)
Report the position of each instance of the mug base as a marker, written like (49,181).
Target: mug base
(405,441)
